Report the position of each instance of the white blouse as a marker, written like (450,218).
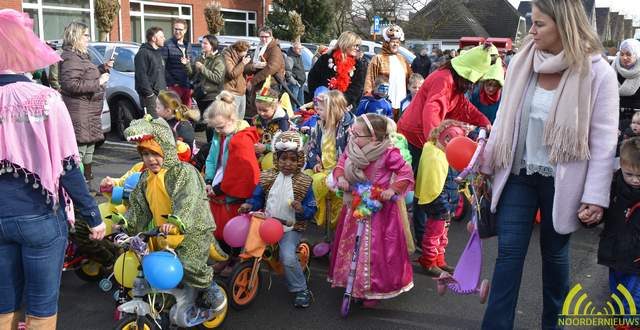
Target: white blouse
(536,155)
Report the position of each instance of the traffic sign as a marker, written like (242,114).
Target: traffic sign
(376,24)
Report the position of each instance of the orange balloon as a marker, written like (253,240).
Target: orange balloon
(459,152)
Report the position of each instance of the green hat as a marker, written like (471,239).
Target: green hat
(496,72)
(473,64)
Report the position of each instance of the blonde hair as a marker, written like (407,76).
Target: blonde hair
(630,153)
(636,116)
(73,34)
(171,100)
(335,108)
(579,39)
(346,40)
(224,106)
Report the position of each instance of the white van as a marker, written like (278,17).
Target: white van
(371,48)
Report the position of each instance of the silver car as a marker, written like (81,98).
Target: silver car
(121,96)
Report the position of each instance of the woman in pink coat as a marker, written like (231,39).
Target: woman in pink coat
(551,148)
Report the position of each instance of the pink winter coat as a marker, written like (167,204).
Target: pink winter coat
(586,181)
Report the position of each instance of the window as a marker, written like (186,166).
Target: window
(145,14)
(50,17)
(124,61)
(239,23)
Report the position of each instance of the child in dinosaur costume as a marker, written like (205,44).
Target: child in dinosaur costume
(171,195)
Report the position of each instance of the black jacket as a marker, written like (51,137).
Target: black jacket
(321,73)
(175,73)
(422,65)
(620,240)
(149,71)
(294,68)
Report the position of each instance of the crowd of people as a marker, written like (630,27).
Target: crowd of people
(558,118)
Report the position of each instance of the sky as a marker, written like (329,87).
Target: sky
(627,7)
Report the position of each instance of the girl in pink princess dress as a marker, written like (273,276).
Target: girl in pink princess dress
(383,270)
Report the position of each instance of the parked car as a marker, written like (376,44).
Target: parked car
(121,96)
(312,47)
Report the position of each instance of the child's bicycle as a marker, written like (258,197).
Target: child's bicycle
(78,256)
(372,196)
(157,300)
(466,279)
(245,280)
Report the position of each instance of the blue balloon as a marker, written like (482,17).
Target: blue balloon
(163,270)
(408,199)
(116,195)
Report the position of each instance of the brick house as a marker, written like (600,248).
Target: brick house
(242,17)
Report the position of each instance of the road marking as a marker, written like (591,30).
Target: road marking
(120,144)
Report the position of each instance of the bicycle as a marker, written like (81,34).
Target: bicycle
(144,310)
(244,281)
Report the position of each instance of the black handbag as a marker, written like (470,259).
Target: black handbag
(487,221)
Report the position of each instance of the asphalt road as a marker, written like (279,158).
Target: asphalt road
(84,306)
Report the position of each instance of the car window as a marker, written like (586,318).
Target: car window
(100,49)
(124,61)
(95,57)
(364,48)
(307,59)
(377,50)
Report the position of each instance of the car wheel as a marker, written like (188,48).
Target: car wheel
(124,114)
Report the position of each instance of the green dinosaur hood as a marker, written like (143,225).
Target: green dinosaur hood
(158,129)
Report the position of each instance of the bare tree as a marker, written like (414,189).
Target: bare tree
(106,11)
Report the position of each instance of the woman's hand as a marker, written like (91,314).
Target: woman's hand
(104,78)
(590,214)
(387,194)
(199,66)
(209,189)
(166,228)
(97,232)
(246,60)
(109,64)
(343,184)
(184,60)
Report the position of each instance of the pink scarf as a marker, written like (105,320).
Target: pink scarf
(566,131)
(36,134)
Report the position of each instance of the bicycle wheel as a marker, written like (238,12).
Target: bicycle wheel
(243,294)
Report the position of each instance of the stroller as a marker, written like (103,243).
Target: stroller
(466,279)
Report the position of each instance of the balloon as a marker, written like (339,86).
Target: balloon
(116,195)
(125,269)
(266,162)
(459,152)
(408,199)
(163,270)
(236,230)
(321,249)
(271,231)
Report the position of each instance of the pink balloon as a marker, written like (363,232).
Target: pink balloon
(271,231)
(236,230)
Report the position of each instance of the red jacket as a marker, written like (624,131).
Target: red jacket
(437,99)
(242,172)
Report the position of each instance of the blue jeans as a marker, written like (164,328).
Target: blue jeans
(522,196)
(631,282)
(292,271)
(298,94)
(31,255)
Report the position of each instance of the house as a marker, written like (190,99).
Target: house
(602,23)
(445,21)
(242,17)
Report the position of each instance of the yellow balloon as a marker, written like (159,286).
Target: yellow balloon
(266,162)
(125,269)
